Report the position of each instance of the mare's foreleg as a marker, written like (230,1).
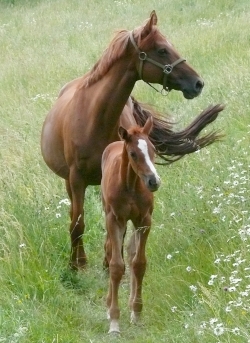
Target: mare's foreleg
(76,190)
(137,262)
(116,232)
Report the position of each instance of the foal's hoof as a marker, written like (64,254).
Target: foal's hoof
(114,332)
(114,328)
(135,318)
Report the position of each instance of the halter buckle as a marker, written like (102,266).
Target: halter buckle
(167,69)
(165,91)
(142,56)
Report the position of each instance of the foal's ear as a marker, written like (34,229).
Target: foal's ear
(149,24)
(123,133)
(148,126)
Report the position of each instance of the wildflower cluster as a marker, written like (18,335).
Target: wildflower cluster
(61,202)
(205,22)
(20,333)
(230,204)
(43,97)
(223,297)
(233,192)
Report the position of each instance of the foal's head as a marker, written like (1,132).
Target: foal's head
(141,153)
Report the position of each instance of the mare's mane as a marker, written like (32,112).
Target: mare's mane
(116,50)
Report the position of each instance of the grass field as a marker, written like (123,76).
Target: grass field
(197,285)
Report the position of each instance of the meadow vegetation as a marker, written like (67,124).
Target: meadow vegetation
(197,285)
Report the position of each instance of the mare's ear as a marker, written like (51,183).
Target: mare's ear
(153,17)
(148,126)
(123,133)
(149,24)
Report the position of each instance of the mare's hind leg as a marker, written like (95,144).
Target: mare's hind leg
(76,190)
(70,196)
(137,263)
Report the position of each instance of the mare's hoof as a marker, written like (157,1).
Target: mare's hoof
(78,265)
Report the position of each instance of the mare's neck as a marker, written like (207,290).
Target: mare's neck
(114,90)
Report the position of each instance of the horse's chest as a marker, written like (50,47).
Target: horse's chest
(89,165)
(133,205)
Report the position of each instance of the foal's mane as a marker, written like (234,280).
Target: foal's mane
(116,50)
(135,130)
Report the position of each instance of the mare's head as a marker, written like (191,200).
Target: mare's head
(159,62)
(141,153)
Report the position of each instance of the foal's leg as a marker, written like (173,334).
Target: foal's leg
(107,257)
(116,232)
(137,262)
(76,190)
(107,249)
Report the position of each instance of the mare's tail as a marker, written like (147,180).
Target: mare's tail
(170,145)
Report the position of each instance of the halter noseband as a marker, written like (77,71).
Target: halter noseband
(167,68)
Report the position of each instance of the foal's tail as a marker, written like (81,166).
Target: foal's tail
(170,145)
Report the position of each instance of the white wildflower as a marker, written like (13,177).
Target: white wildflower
(193,288)
(65,202)
(213,321)
(236,331)
(218,330)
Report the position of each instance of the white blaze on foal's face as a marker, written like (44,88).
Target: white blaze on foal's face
(142,145)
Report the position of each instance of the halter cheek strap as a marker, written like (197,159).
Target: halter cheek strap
(167,68)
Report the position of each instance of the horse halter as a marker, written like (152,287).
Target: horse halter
(167,68)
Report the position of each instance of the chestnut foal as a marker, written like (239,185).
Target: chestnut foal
(128,180)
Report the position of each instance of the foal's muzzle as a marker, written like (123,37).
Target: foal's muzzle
(152,182)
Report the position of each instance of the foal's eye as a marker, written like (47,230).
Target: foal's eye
(133,155)
(162,52)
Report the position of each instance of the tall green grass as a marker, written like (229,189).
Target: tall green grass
(197,283)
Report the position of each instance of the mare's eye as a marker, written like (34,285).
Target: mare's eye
(162,52)
(133,155)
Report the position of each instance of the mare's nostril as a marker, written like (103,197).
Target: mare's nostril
(199,85)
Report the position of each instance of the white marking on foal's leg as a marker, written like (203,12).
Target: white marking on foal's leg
(108,315)
(114,326)
(135,317)
(142,145)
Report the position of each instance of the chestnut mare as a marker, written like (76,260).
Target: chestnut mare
(86,116)
(128,180)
